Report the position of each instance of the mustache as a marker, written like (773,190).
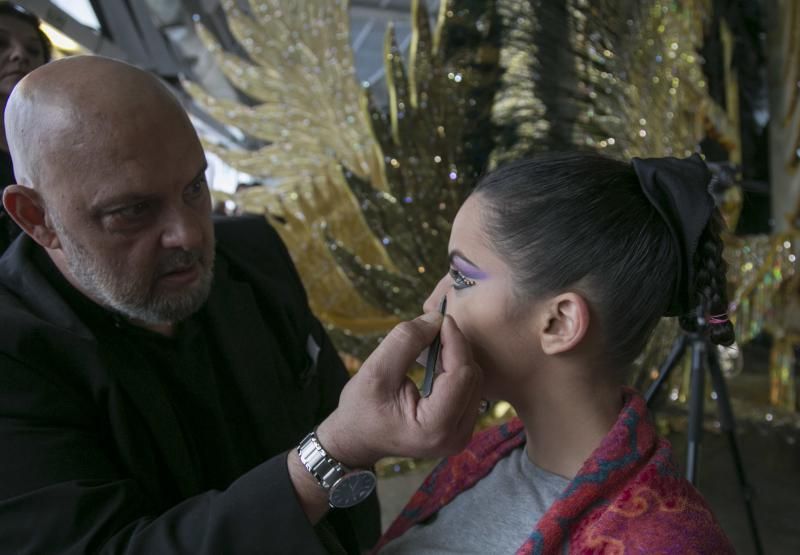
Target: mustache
(180,260)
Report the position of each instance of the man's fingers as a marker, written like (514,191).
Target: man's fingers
(455,391)
(441,415)
(397,352)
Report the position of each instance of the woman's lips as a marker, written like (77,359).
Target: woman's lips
(15,74)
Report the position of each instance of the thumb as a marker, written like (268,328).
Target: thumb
(390,362)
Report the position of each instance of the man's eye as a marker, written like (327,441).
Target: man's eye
(459,280)
(197,188)
(132,212)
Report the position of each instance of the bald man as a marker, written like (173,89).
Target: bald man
(164,387)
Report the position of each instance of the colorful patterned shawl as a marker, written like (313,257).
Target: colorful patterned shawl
(627,498)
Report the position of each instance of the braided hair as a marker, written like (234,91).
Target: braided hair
(710,285)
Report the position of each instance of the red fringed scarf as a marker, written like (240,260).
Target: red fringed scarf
(627,498)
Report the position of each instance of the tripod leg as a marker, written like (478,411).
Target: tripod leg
(674,356)
(728,426)
(697,385)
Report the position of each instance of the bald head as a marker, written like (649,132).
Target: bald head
(111,183)
(75,114)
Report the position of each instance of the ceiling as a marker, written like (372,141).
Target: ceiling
(158,35)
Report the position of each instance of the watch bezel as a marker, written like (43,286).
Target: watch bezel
(346,479)
(330,474)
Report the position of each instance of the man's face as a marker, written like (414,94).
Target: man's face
(135,228)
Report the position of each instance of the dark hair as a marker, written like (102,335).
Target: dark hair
(581,221)
(710,283)
(15,10)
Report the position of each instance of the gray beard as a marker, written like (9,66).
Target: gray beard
(131,297)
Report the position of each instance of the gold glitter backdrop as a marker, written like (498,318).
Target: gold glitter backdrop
(368,194)
(365,195)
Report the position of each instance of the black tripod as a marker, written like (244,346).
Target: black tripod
(703,352)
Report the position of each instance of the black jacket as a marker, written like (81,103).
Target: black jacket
(92,458)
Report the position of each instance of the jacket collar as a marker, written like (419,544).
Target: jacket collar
(20,275)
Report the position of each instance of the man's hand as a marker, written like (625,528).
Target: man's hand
(381,412)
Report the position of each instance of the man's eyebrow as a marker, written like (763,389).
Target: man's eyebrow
(132,198)
(119,200)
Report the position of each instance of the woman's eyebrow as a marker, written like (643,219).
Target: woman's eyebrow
(455,253)
(465,265)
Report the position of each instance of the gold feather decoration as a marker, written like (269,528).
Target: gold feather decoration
(620,77)
(365,197)
(766,282)
(309,111)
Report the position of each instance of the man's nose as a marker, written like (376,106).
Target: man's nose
(183,230)
(433,301)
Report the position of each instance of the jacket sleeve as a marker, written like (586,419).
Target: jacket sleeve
(365,518)
(61,490)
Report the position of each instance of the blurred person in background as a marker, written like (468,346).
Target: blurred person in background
(23,48)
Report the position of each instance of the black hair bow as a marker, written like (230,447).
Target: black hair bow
(678,188)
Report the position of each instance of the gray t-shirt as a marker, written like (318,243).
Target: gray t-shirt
(495,516)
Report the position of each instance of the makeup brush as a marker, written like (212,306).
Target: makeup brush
(433,356)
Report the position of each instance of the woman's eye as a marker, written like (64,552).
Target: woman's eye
(459,280)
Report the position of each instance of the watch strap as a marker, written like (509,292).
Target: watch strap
(324,468)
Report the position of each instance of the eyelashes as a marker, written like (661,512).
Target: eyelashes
(459,280)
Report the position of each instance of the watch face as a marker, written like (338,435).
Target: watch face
(352,489)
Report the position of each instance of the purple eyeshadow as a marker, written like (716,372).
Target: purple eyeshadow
(467,269)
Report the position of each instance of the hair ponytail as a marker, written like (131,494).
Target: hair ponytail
(710,285)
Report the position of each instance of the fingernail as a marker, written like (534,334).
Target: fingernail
(431,317)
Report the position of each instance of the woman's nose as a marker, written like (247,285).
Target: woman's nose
(18,52)
(431,304)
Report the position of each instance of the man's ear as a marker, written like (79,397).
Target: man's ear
(565,323)
(25,207)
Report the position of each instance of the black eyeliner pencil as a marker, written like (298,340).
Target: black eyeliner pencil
(433,357)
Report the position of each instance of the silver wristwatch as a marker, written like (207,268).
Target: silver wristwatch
(345,487)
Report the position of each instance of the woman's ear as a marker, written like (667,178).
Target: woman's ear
(25,207)
(565,321)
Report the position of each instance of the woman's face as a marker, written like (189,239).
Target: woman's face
(481,299)
(20,52)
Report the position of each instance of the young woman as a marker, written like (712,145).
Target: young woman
(561,266)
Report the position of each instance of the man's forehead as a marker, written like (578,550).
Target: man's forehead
(89,121)
(99,137)
(98,91)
